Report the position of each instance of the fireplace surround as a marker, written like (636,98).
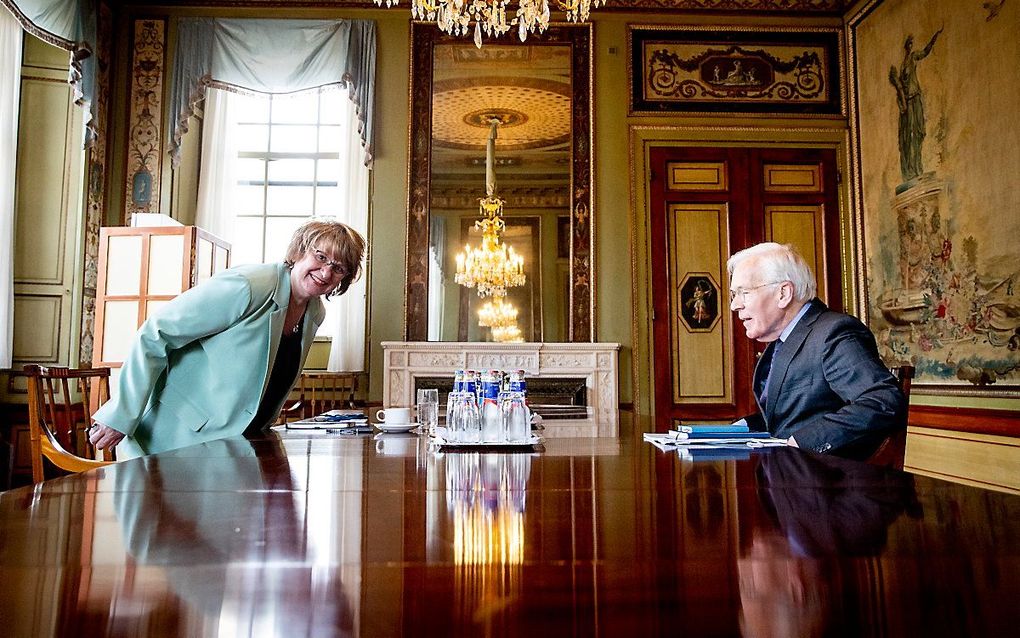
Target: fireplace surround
(593,363)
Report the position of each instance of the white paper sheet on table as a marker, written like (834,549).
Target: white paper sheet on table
(333,420)
(668,441)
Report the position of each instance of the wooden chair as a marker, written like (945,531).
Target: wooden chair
(57,424)
(891,451)
(321,391)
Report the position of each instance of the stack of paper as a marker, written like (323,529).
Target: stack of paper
(348,420)
(711,436)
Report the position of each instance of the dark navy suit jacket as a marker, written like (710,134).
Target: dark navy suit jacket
(828,387)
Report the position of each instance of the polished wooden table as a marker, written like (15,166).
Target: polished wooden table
(319,535)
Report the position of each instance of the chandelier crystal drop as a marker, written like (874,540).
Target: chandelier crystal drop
(490,16)
(493,266)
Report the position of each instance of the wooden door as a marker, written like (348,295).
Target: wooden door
(48,217)
(708,203)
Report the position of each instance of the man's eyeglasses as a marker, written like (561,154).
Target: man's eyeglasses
(744,292)
(335,266)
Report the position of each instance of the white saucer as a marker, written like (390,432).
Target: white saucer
(395,427)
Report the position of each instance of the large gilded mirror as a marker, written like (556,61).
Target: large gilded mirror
(539,92)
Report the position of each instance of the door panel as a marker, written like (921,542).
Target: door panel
(698,239)
(708,203)
(803,227)
(48,217)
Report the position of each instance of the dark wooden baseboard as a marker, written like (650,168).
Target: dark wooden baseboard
(973,420)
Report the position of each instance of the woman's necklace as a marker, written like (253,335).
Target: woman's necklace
(297,324)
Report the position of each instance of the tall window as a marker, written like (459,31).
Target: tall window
(271,163)
(288,169)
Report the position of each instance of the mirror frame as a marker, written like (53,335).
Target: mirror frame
(424,37)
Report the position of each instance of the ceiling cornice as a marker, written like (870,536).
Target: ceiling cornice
(783,7)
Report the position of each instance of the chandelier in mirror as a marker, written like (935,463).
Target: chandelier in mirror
(490,16)
(500,316)
(492,267)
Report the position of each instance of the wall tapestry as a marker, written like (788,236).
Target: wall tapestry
(938,153)
(708,69)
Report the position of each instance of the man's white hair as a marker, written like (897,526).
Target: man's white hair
(778,262)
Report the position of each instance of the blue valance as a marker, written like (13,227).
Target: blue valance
(271,56)
(70,25)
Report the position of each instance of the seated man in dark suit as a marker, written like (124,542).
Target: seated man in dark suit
(820,383)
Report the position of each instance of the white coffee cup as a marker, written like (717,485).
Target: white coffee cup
(398,416)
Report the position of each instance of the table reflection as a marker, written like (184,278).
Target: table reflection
(334,534)
(805,572)
(485,506)
(238,562)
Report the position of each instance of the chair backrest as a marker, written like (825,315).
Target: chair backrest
(57,422)
(321,391)
(894,448)
(326,391)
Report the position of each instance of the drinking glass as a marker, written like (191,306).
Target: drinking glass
(516,417)
(428,410)
(463,423)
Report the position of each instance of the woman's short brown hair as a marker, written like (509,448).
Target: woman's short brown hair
(339,241)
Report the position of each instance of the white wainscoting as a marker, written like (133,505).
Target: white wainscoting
(596,363)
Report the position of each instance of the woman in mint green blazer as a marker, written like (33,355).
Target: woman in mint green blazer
(220,359)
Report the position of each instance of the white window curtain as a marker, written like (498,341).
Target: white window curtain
(272,56)
(437,256)
(10,95)
(345,315)
(216,184)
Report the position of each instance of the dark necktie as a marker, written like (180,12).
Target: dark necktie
(768,375)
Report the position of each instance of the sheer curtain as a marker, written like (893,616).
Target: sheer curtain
(345,315)
(219,155)
(10,93)
(437,257)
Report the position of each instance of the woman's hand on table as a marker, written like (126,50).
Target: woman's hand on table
(104,437)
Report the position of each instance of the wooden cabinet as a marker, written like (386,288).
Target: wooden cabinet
(140,269)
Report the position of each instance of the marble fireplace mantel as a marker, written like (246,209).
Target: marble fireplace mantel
(596,363)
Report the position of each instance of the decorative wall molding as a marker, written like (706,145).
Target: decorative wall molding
(734,69)
(814,7)
(462,196)
(596,363)
(145,147)
(786,7)
(971,420)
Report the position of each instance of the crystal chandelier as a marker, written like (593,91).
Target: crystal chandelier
(497,313)
(492,267)
(500,316)
(490,16)
(507,334)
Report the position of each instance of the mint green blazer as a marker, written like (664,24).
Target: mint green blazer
(198,368)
